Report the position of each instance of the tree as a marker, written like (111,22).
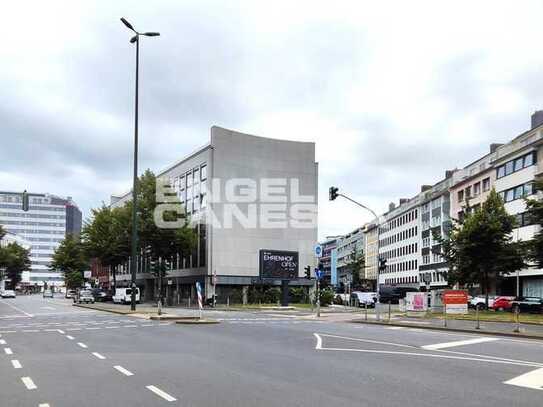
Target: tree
(480,249)
(69,257)
(534,209)
(14,259)
(355,266)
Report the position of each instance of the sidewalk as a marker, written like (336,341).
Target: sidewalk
(530,331)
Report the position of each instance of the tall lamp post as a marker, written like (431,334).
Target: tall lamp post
(333,194)
(133,257)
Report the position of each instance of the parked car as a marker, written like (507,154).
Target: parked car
(47,293)
(480,301)
(364,298)
(84,296)
(393,294)
(124,295)
(341,298)
(70,294)
(99,294)
(7,294)
(527,304)
(502,303)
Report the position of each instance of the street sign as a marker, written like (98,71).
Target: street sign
(318,250)
(456,301)
(318,273)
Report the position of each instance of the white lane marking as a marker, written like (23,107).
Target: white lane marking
(82,345)
(49,308)
(123,370)
(60,331)
(16,364)
(319,341)
(112,327)
(73,329)
(8,351)
(531,380)
(458,343)
(70,337)
(29,383)
(44,405)
(93,329)
(98,355)
(161,393)
(130,326)
(2,342)
(31,330)
(17,309)
(395,328)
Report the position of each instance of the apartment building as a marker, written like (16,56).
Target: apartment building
(43,226)
(399,244)
(370,252)
(348,247)
(235,249)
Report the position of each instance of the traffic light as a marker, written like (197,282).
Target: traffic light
(25,201)
(332,193)
(307,272)
(382,264)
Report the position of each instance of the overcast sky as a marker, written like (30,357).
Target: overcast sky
(393,93)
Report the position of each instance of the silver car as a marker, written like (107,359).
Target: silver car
(84,296)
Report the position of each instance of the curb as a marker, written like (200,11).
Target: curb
(170,318)
(196,321)
(441,328)
(113,311)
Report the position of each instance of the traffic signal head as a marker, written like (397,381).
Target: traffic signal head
(25,201)
(333,193)
(307,272)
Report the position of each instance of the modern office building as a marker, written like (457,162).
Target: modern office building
(329,259)
(43,226)
(254,203)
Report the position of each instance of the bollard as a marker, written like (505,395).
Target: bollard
(228,302)
(517,318)
(445,316)
(388,311)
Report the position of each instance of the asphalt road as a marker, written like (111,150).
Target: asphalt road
(53,354)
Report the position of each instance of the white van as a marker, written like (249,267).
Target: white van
(124,295)
(364,298)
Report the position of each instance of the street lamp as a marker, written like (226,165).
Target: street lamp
(133,258)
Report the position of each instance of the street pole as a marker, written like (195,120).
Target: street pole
(133,260)
(318,299)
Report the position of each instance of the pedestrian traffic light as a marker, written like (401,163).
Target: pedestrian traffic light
(332,193)
(25,201)
(307,272)
(382,264)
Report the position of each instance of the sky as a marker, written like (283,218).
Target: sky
(393,93)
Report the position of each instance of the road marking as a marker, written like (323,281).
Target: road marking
(531,380)
(70,337)
(44,405)
(161,393)
(112,327)
(16,364)
(8,351)
(458,343)
(60,331)
(98,355)
(395,328)
(123,370)
(29,383)
(73,329)
(49,308)
(17,309)
(93,329)
(130,326)
(2,342)
(82,345)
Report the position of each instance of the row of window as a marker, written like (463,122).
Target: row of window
(28,223)
(37,231)
(435,258)
(401,251)
(31,215)
(191,188)
(34,207)
(43,239)
(404,234)
(402,266)
(399,221)
(475,188)
(518,192)
(401,280)
(516,165)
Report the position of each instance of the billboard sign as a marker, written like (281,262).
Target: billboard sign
(416,301)
(455,301)
(278,264)
(87,274)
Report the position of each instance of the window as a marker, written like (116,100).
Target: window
(501,172)
(203,172)
(189,179)
(486,184)
(468,192)
(509,168)
(516,165)
(529,159)
(460,196)
(519,191)
(182,182)
(477,189)
(528,189)
(509,195)
(519,164)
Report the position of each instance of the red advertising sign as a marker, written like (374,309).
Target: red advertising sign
(451,297)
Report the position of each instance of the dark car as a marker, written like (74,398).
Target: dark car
(527,304)
(393,294)
(100,294)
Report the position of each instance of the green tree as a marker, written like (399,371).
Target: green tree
(356,266)
(480,249)
(534,208)
(14,259)
(69,257)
